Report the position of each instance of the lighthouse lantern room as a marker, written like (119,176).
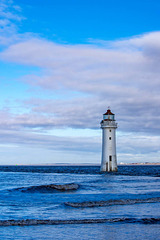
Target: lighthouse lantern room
(109,158)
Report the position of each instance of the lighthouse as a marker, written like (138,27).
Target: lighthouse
(109,158)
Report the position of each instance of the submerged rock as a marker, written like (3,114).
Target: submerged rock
(64,187)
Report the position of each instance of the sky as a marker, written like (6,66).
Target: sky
(62,63)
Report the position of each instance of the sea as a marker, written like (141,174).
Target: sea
(79,202)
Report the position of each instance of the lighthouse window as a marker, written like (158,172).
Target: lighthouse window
(109,138)
(110,130)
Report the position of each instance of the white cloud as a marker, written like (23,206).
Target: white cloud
(11,16)
(126,79)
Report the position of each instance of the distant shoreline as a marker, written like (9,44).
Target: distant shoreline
(81,165)
(139,164)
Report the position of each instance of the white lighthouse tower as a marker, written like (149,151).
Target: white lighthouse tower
(109,158)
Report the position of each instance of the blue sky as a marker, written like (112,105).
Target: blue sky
(62,63)
(75,21)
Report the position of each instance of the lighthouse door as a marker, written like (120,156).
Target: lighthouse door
(110,163)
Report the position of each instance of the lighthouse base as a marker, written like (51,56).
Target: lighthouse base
(110,165)
(105,169)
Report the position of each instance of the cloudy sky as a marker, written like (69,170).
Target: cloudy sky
(62,63)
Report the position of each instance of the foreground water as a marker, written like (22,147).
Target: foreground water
(76,202)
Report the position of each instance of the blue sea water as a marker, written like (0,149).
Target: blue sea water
(79,202)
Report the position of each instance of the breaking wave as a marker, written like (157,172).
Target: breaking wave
(29,222)
(50,188)
(112,202)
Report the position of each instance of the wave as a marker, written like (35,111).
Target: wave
(30,222)
(111,202)
(50,188)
